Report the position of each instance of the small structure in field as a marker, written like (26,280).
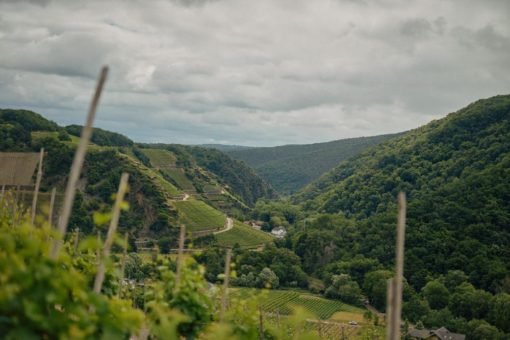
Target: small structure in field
(279,232)
(17,168)
(254,224)
(432,334)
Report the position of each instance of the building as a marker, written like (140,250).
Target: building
(279,232)
(433,334)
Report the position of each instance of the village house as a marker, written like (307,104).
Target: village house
(440,333)
(279,232)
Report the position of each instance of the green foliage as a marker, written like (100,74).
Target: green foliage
(436,294)
(101,137)
(288,168)
(239,178)
(455,172)
(267,279)
(243,236)
(499,313)
(199,216)
(141,156)
(375,286)
(30,121)
(345,289)
(44,298)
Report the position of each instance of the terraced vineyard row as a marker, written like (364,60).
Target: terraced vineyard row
(278,301)
(160,158)
(322,308)
(199,216)
(283,302)
(243,235)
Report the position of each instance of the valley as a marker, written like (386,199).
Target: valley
(337,250)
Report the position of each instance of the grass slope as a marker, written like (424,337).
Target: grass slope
(160,158)
(199,216)
(288,168)
(243,235)
(284,301)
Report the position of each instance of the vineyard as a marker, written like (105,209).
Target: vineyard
(284,301)
(199,216)
(243,235)
(179,177)
(159,158)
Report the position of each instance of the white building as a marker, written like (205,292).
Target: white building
(279,232)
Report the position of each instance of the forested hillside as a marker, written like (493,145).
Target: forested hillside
(456,174)
(170,184)
(288,168)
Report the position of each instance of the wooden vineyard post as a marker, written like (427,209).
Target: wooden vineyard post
(182,237)
(98,283)
(3,193)
(52,205)
(123,264)
(224,297)
(261,324)
(79,158)
(394,298)
(37,186)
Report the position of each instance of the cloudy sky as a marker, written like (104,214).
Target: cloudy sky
(246,72)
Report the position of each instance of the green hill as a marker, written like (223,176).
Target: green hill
(288,168)
(169,184)
(456,174)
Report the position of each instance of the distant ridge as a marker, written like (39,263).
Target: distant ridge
(226,147)
(289,168)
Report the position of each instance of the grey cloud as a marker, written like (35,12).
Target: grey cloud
(253,72)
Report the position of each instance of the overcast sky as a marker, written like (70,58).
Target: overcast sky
(264,72)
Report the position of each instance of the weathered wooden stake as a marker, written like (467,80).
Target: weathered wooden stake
(98,283)
(182,236)
(79,158)
(52,204)
(3,193)
(123,264)
(390,289)
(37,185)
(396,284)
(224,297)
(261,324)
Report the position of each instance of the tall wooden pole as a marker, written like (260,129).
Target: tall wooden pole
(123,264)
(395,284)
(37,186)
(78,160)
(52,205)
(178,271)
(98,283)
(224,297)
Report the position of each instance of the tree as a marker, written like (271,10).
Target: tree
(436,294)
(499,313)
(454,278)
(480,329)
(469,302)
(375,285)
(344,289)
(267,279)
(415,309)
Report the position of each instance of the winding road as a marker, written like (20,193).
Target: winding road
(229,225)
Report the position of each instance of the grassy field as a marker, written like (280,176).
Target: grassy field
(155,176)
(244,235)
(180,178)
(283,302)
(160,158)
(199,216)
